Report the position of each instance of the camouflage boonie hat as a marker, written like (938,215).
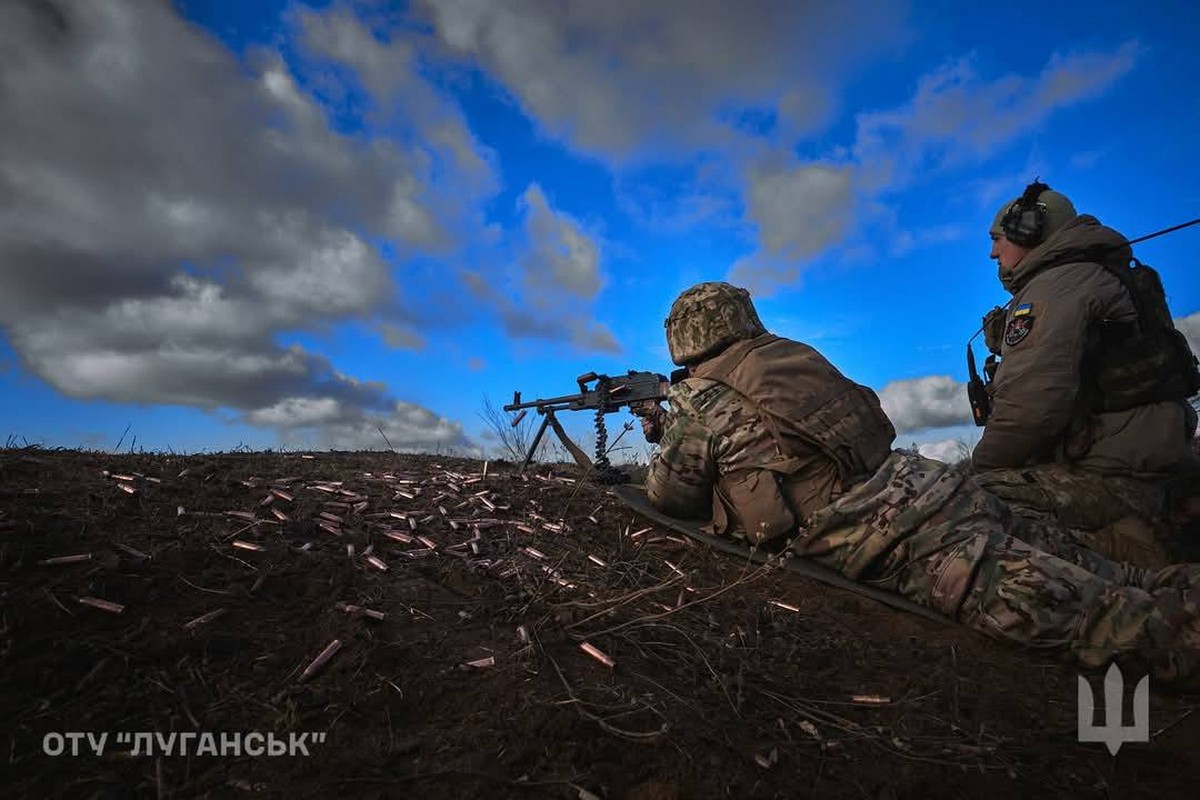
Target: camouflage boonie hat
(707,318)
(1057,207)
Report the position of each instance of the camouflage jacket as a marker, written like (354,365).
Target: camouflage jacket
(763,435)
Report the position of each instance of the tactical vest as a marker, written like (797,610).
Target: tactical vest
(1131,364)
(817,418)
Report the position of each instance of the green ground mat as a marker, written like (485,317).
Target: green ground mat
(635,498)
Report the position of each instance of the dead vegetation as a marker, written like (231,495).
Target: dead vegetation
(457,630)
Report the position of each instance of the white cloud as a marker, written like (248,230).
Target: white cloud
(956,116)
(524,320)
(547,296)
(178,210)
(401,338)
(800,209)
(335,273)
(1190,326)
(934,401)
(762,275)
(949,450)
(561,257)
(623,76)
(324,423)
(297,412)
(627,79)
(389,69)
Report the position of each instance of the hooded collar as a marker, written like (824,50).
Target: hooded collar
(1083,239)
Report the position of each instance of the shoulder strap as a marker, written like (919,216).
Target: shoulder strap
(1145,314)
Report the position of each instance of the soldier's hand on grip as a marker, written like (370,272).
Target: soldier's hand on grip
(653,421)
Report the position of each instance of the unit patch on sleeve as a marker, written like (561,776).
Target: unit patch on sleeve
(1017,329)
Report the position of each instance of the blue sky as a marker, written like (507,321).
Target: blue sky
(287,224)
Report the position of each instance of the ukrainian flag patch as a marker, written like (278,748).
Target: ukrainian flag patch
(1023,310)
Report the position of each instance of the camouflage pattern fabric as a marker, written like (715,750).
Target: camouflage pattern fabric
(1118,516)
(926,531)
(1184,492)
(707,317)
(682,475)
(921,529)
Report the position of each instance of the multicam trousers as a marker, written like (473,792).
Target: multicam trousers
(927,531)
(1122,518)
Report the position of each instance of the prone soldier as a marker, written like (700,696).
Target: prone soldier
(768,440)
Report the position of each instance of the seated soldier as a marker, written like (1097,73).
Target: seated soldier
(1046,449)
(772,442)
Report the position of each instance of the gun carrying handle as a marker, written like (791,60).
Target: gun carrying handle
(585,379)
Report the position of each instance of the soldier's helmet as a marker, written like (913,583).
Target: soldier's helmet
(707,318)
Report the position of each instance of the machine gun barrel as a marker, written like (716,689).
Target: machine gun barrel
(639,391)
(609,393)
(557,403)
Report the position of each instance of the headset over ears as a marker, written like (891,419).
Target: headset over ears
(1024,223)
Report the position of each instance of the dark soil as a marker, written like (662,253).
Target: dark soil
(730,679)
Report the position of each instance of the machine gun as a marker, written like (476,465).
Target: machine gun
(639,391)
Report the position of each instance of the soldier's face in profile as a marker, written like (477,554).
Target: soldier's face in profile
(1007,254)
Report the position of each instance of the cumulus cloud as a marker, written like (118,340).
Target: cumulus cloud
(547,295)
(935,401)
(957,116)
(389,69)
(763,274)
(558,260)
(324,423)
(623,76)
(949,450)
(800,209)
(401,338)
(523,321)
(561,256)
(1190,326)
(166,213)
(629,79)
